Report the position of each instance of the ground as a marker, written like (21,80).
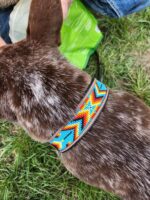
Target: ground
(31,171)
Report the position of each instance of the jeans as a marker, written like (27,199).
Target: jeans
(4,24)
(116,8)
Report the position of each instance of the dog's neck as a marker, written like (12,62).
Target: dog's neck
(43,89)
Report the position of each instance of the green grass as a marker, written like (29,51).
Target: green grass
(32,171)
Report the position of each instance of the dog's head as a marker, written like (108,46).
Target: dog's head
(39,89)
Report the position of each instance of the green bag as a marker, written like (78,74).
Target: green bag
(80,35)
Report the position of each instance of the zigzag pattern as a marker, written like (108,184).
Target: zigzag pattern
(86,114)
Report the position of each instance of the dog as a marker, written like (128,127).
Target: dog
(40,91)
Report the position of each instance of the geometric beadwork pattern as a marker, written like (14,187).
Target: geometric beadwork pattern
(86,113)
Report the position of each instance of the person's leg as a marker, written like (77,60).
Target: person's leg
(4,24)
(116,8)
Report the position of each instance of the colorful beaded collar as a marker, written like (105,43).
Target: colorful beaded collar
(86,113)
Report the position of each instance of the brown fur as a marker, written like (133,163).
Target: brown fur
(40,90)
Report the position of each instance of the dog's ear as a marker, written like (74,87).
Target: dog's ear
(45,21)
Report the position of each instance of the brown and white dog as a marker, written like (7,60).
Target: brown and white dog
(40,90)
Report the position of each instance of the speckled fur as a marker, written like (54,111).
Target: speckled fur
(40,90)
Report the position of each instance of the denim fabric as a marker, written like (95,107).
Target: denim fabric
(4,23)
(116,8)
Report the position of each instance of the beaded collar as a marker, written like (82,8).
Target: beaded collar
(86,113)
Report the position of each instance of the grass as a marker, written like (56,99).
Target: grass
(32,171)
